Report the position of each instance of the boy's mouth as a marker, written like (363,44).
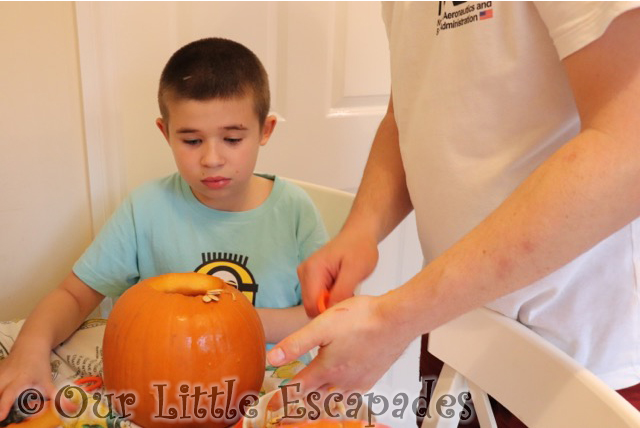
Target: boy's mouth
(216,182)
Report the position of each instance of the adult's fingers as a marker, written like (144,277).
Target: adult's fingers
(354,267)
(313,379)
(316,278)
(347,280)
(296,344)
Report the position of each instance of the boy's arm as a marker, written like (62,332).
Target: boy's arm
(279,323)
(53,320)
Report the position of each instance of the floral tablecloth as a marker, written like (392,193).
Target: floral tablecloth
(81,356)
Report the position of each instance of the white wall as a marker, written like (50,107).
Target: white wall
(45,220)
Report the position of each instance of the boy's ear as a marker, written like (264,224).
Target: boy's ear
(267,129)
(163,128)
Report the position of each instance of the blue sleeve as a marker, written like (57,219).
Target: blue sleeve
(110,264)
(311,232)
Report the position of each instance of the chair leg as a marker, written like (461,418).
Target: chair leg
(481,403)
(442,414)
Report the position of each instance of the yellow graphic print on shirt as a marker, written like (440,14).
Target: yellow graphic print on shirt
(231,268)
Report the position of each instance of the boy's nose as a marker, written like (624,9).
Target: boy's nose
(211,157)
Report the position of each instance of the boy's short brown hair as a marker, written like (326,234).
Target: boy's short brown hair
(214,68)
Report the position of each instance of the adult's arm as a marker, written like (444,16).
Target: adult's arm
(586,191)
(381,203)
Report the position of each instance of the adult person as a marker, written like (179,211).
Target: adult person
(513,132)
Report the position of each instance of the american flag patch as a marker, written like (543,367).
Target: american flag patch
(486,14)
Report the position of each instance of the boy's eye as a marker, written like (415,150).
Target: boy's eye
(192,142)
(233,140)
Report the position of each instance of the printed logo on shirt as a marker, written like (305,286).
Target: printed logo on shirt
(463,13)
(232,269)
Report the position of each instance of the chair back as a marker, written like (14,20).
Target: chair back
(487,353)
(334,205)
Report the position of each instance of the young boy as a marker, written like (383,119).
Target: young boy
(214,216)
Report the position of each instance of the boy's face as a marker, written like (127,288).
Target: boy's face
(215,145)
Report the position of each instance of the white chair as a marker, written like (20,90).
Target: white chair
(334,205)
(487,353)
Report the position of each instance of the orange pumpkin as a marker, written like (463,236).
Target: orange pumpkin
(166,345)
(47,418)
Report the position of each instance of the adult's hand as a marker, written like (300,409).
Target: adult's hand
(337,267)
(380,205)
(357,346)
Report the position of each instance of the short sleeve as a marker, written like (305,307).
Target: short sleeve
(311,232)
(573,25)
(387,15)
(110,265)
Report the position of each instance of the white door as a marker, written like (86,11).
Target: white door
(328,68)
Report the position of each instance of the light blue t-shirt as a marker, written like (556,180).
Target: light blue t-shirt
(161,228)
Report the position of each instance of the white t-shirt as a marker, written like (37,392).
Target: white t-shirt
(481,99)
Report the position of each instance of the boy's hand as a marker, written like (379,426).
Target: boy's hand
(338,267)
(22,371)
(28,366)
